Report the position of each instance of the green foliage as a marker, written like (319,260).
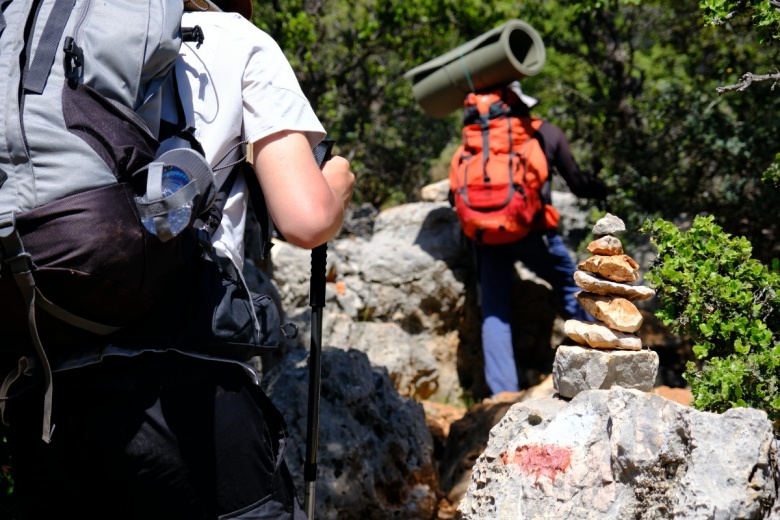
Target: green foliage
(634,87)
(772,174)
(632,83)
(764,17)
(396,198)
(351,56)
(763,14)
(711,290)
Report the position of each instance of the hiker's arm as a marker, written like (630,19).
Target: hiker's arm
(306,204)
(579,182)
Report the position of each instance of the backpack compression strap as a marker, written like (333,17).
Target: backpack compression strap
(12,253)
(38,71)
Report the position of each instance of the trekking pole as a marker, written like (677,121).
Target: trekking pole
(319,257)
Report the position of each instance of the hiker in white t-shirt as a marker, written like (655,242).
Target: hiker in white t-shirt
(151,434)
(243,89)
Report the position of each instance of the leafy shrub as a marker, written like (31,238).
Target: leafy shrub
(711,291)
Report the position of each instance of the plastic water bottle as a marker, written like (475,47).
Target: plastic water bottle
(173,180)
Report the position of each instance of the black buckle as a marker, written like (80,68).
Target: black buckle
(74,59)
(193,34)
(204,239)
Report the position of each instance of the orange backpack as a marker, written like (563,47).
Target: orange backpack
(497,173)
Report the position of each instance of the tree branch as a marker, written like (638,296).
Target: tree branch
(748,79)
(738,9)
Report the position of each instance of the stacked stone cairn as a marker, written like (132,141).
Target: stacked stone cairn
(607,352)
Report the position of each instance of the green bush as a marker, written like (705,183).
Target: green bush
(711,291)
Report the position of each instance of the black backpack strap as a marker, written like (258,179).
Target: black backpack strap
(208,223)
(256,199)
(260,208)
(180,128)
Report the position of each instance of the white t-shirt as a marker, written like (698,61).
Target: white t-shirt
(239,86)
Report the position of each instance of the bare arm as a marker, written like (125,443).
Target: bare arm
(306,204)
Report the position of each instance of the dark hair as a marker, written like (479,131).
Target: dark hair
(520,109)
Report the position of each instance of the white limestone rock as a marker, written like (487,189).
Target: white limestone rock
(609,224)
(623,454)
(577,369)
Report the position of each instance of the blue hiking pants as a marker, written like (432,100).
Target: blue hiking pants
(546,255)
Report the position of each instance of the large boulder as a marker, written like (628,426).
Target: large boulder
(397,295)
(468,436)
(409,285)
(617,454)
(375,456)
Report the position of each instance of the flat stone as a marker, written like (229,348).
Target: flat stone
(618,268)
(577,369)
(608,245)
(609,224)
(598,335)
(599,285)
(617,313)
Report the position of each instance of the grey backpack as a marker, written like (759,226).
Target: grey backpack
(80,89)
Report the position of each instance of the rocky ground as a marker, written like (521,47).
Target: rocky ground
(404,415)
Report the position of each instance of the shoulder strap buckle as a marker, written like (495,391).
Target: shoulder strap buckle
(74,59)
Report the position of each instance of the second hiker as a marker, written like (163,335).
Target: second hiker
(534,149)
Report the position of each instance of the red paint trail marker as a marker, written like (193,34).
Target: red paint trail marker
(539,459)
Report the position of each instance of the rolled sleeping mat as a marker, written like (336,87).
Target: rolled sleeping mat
(511,51)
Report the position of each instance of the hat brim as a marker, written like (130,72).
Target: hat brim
(529,101)
(517,90)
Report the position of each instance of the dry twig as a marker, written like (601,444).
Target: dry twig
(748,79)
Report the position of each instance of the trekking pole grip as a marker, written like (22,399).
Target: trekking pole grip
(317,280)
(319,262)
(319,255)
(322,152)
